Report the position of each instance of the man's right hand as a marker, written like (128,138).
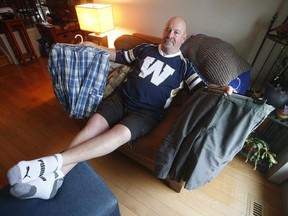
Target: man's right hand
(89,43)
(111,51)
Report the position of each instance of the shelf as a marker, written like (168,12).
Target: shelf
(267,65)
(274,118)
(276,39)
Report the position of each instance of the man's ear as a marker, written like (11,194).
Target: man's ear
(184,38)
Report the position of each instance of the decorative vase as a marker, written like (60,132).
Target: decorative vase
(275,96)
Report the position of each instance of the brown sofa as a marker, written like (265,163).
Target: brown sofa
(143,149)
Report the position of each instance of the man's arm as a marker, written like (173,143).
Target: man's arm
(111,51)
(197,81)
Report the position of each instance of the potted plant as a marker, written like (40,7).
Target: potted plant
(257,150)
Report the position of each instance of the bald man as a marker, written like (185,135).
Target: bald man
(133,109)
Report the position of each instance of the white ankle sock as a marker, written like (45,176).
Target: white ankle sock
(44,187)
(26,171)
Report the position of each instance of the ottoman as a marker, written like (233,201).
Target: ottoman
(82,193)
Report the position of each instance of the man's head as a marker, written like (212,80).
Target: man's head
(174,34)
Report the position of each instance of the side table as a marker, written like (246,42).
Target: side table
(275,132)
(101,40)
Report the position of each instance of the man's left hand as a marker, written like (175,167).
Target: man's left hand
(229,90)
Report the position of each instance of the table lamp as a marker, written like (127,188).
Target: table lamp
(96,18)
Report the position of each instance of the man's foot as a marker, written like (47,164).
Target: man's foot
(44,187)
(26,171)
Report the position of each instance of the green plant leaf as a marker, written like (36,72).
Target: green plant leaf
(259,151)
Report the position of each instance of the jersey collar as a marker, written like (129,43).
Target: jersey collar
(168,56)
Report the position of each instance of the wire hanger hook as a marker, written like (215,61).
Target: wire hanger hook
(81,37)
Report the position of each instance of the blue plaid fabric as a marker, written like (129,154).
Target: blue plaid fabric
(79,76)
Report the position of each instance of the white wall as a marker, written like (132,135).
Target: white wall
(242,23)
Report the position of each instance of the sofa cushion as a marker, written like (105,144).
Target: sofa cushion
(144,149)
(216,59)
(117,74)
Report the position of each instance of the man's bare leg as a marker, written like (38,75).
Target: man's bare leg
(90,142)
(93,141)
(95,126)
(26,171)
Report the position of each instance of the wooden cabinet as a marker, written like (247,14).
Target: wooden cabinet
(56,35)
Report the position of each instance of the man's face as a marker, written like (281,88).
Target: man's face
(174,34)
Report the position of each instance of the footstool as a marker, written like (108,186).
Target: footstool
(83,193)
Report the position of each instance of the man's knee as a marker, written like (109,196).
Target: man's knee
(97,122)
(124,132)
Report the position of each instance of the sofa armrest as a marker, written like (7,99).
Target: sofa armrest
(130,41)
(149,38)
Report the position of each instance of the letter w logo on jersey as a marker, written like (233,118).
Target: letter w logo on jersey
(160,71)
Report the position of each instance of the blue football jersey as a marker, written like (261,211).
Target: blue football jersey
(155,78)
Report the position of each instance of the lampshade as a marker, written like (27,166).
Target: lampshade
(97,18)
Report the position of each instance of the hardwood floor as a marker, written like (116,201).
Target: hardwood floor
(32,124)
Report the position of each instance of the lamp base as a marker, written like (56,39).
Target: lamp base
(101,40)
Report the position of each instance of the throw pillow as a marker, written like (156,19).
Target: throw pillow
(216,59)
(117,75)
